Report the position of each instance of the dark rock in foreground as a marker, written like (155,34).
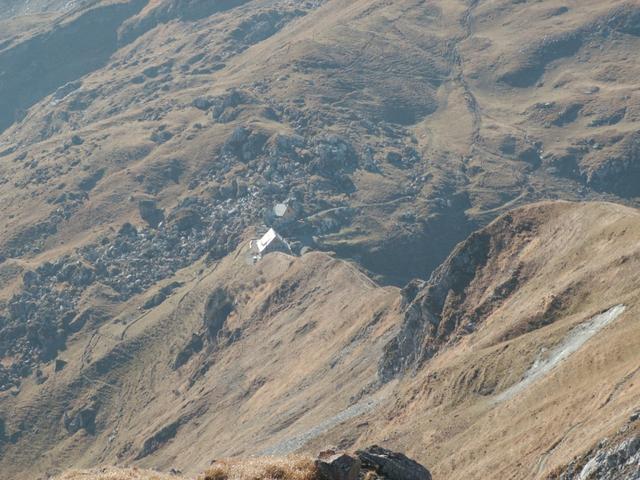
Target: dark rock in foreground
(391,465)
(371,463)
(338,466)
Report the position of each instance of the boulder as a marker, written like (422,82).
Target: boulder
(83,419)
(77,274)
(202,103)
(338,466)
(59,365)
(186,219)
(161,136)
(391,465)
(76,140)
(128,230)
(245,143)
(30,279)
(150,212)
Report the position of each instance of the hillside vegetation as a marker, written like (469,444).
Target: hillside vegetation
(458,183)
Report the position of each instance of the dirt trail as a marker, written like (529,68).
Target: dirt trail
(296,442)
(574,340)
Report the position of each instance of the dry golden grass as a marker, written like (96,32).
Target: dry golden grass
(110,473)
(268,468)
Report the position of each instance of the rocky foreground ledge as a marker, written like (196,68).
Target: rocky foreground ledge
(373,463)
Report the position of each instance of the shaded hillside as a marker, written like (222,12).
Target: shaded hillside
(13,9)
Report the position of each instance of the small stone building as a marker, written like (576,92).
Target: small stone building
(269,242)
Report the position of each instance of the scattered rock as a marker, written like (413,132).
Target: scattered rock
(186,219)
(83,419)
(607,461)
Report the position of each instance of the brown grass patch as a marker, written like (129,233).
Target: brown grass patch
(115,474)
(292,467)
(267,468)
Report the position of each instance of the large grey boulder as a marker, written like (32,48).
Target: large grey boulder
(338,466)
(391,465)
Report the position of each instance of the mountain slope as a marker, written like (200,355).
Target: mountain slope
(356,100)
(233,344)
(293,354)
(143,143)
(515,370)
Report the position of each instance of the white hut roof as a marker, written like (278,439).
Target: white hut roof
(266,240)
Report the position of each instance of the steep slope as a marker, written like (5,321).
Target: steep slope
(522,350)
(234,359)
(12,9)
(523,355)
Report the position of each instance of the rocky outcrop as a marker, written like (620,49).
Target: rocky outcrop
(610,460)
(614,165)
(193,347)
(337,466)
(218,307)
(150,212)
(84,419)
(370,463)
(391,465)
(425,323)
(438,312)
(155,441)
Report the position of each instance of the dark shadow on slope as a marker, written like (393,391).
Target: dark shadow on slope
(38,66)
(189,10)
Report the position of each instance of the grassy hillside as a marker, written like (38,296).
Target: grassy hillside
(461,183)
